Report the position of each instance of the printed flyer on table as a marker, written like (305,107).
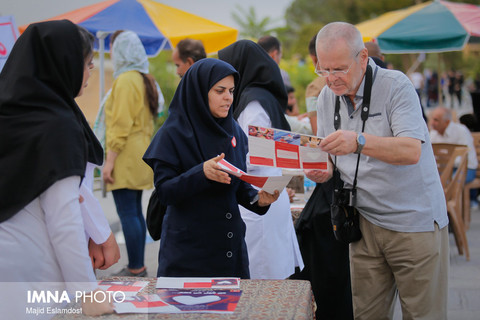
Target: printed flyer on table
(184,295)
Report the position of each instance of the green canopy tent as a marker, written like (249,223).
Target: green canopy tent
(433,26)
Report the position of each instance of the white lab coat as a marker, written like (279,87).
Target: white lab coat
(43,248)
(272,244)
(96,224)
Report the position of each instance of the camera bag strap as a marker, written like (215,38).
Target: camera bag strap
(367,90)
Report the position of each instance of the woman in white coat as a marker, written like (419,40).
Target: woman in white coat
(45,145)
(261,100)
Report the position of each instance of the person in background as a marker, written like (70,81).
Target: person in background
(45,146)
(445,130)
(314,88)
(469,120)
(261,100)
(129,113)
(274,49)
(186,53)
(418,81)
(458,88)
(298,122)
(375,53)
(404,249)
(432,89)
(203,234)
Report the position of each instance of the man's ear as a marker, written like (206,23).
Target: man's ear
(190,61)
(275,54)
(363,55)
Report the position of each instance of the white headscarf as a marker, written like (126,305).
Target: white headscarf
(128,54)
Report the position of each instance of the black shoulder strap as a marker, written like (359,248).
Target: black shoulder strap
(367,93)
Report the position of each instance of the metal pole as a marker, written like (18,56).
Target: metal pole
(101,35)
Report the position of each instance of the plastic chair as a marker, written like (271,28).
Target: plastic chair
(474,184)
(443,154)
(454,197)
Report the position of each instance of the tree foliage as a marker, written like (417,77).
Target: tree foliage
(251,27)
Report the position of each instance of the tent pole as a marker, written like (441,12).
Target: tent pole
(101,35)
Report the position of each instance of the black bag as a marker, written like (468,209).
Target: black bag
(345,217)
(155,213)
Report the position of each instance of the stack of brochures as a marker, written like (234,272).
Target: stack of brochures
(181,295)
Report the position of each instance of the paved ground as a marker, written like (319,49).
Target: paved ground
(464,279)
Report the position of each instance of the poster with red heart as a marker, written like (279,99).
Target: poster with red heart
(8,36)
(197,283)
(181,301)
(211,301)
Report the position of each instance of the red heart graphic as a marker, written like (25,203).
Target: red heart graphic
(3,50)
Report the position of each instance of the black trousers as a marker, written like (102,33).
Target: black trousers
(326,260)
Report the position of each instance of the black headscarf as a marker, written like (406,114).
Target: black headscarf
(191,135)
(260,80)
(44,136)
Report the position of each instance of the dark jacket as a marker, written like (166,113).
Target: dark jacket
(202,233)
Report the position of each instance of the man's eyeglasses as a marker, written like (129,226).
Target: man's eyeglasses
(337,73)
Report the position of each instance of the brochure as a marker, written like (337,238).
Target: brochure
(285,149)
(129,288)
(269,184)
(211,301)
(196,283)
(151,303)
(181,301)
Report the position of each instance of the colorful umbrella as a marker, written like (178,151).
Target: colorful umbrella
(436,26)
(159,26)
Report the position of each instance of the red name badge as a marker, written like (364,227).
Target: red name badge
(234,142)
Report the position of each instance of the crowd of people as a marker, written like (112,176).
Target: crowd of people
(216,224)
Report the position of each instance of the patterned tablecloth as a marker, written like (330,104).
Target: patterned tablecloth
(260,300)
(296,207)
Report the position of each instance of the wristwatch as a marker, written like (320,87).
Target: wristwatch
(360,143)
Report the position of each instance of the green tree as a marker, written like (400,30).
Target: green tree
(251,27)
(163,70)
(303,12)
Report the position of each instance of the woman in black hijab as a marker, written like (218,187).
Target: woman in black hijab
(261,100)
(202,232)
(44,148)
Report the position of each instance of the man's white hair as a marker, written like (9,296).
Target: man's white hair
(333,32)
(446,113)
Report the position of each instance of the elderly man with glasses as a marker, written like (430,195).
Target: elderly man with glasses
(404,246)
